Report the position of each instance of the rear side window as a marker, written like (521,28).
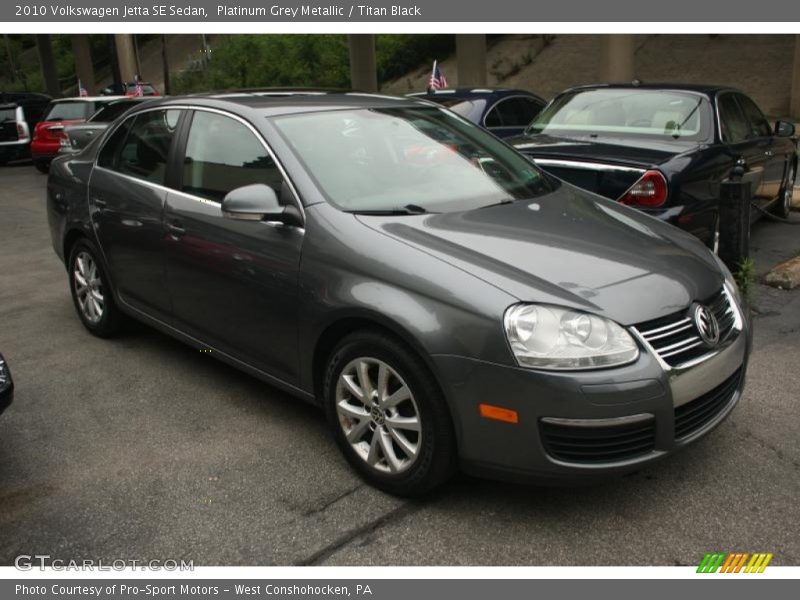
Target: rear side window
(140,147)
(735,128)
(110,112)
(222,154)
(756,121)
(513,112)
(70,111)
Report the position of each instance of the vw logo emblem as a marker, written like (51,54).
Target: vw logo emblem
(707,325)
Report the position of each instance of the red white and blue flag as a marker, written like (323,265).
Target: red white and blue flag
(139,89)
(438,80)
(82,90)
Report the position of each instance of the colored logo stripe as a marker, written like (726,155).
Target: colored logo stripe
(734,562)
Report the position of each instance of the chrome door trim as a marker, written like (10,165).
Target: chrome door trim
(586,165)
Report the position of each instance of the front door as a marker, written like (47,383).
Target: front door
(233,283)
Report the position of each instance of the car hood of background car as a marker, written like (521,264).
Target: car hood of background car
(635,152)
(569,248)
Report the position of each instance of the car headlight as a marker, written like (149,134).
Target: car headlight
(548,337)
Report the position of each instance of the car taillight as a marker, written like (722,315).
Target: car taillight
(22,130)
(649,191)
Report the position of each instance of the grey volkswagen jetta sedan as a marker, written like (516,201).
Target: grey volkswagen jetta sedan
(447,303)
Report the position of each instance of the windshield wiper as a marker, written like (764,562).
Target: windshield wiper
(506,201)
(408,209)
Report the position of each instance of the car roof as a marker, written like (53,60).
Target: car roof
(272,104)
(87,99)
(472,92)
(705,89)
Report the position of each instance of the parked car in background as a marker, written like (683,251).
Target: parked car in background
(131,88)
(443,299)
(504,112)
(19,114)
(664,149)
(50,130)
(79,135)
(6,385)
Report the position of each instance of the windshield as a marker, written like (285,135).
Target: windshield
(422,157)
(69,111)
(626,113)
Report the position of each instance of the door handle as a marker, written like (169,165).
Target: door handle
(175,230)
(99,202)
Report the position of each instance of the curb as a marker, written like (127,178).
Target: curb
(786,275)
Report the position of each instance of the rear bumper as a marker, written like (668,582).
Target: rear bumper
(44,151)
(15,150)
(581,426)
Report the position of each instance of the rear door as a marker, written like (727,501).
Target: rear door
(747,148)
(775,159)
(127,192)
(233,283)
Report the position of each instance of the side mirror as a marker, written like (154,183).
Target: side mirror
(784,129)
(258,202)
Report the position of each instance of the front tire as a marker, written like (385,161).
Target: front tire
(388,415)
(784,206)
(91,292)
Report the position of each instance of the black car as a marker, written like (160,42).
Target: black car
(504,112)
(79,135)
(444,300)
(664,149)
(6,385)
(19,114)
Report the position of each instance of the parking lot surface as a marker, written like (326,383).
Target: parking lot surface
(142,448)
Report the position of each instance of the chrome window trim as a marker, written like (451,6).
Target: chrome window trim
(586,165)
(606,422)
(493,106)
(247,124)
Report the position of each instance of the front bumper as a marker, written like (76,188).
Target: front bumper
(578,426)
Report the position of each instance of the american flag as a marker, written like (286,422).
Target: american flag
(438,80)
(82,90)
(139,89)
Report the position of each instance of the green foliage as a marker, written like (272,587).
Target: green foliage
(745,276)
(245,61)
(397,54)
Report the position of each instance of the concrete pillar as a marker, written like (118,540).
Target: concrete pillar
(126,56)
(363,68)
(794,100)
(617,58)
(471,59)
(48,62)
(83,62)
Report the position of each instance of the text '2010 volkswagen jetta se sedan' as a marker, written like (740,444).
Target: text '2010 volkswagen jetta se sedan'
(445,301)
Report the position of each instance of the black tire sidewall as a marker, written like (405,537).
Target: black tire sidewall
(109,322)
(436,461)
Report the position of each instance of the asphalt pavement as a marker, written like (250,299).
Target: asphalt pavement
(142,448)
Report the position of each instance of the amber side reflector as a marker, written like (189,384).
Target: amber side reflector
(498,413)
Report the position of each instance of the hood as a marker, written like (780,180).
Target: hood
(569,248)
(643,153)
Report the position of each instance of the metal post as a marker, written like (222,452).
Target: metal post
(363,71)
(734,219)
(471,59)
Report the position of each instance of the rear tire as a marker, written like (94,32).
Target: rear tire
(388,415)
(91,292)
(784,206)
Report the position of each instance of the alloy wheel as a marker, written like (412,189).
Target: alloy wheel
(378,415)
(88,287)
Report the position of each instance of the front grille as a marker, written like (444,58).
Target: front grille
(696,414)
(675,338)
(593,444)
